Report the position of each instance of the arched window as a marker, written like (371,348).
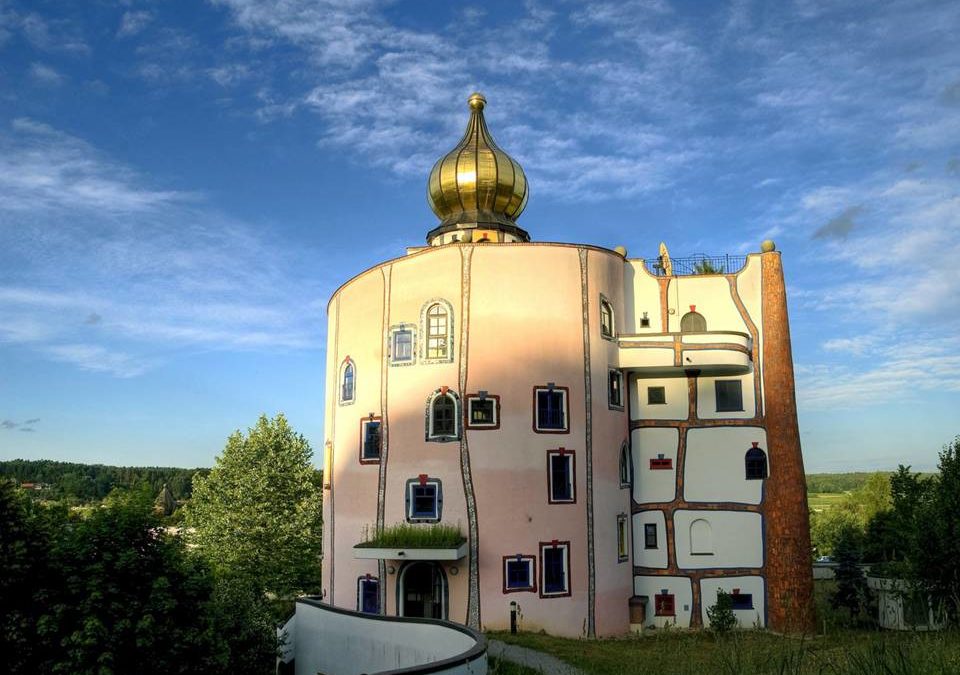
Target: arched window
(626,467)
(700,538)
(348,375)
(693,322)
(437,319)
(443,416)
(606,319)
(755,464)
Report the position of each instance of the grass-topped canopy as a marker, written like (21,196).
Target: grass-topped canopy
(406,535)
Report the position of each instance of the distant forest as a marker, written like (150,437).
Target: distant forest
(843,482)
(92,482)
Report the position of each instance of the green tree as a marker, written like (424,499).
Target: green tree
(720,614)
(257,515)
(851,591)
(937,551)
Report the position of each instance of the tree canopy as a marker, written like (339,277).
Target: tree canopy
(258,514)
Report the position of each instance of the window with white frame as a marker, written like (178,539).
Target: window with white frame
(650,535)
(519,573)
(554,569)
(483,411)
(402,344)
(424,500)
(436,319)
(348,375)
(550,412)
(443,416)
(368,595)
(615,388)
(623,546)
(607,327)
(561,476)
(370,442)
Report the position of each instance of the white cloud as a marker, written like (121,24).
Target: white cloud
(45,75)
(133,22)
(159,270)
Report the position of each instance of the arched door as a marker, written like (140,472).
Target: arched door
(423,591)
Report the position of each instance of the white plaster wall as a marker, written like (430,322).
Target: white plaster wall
(646,357)
(747,618)
(716,357)
(641,294)
(749,286)
(649,557)
(711,296)
(343,644)
(675,388)
(737,539)
(683,598)
(658,485)
(707,398)
(714,466)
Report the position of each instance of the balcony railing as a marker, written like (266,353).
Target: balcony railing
(696,264)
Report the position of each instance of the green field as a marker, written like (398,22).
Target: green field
(823,501)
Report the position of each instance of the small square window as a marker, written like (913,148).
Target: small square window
(561,477)
(554,569)
(401,344)
(729,396)
(650,535)
(550,410)
(483,413)
(656,395)
(615,388)
(623,551)
(663,604)
(368,595)
(518,573)
(424,500)
(370,440)
(742,600)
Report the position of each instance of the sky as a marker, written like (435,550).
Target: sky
(183,184)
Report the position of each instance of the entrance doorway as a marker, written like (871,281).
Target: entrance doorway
(423,591)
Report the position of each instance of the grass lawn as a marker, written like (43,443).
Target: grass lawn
(843,650)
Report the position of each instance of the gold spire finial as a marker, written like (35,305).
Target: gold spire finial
(476,101)
(477,185)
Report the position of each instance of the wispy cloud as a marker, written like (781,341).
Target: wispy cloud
(45,75)
(133,23)
(114,275)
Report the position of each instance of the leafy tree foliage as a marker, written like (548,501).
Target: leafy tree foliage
(851,591)
(257,516)
(854,511)
(721,616)
(112,593)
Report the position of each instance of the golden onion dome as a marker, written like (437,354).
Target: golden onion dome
(477,185)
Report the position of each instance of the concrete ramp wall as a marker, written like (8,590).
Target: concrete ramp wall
(334,641)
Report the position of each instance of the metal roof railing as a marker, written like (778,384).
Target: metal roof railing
(697,264)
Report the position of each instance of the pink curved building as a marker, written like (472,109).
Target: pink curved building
(615,438)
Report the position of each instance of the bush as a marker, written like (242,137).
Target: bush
(721,616)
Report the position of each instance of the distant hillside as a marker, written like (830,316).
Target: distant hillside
(841,482)
(91,482)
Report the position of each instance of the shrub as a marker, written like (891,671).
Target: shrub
(721,616)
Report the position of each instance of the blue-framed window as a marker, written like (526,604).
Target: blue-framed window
(741,600)
(518,573)
(368,595)
(424,500)
(555,569)
(561,478)
(550,413)
(371,443)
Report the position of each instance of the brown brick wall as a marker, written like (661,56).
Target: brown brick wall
(787,523)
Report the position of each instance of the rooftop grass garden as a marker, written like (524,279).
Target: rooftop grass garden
(407,535)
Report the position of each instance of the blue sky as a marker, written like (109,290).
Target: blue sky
(183,184)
